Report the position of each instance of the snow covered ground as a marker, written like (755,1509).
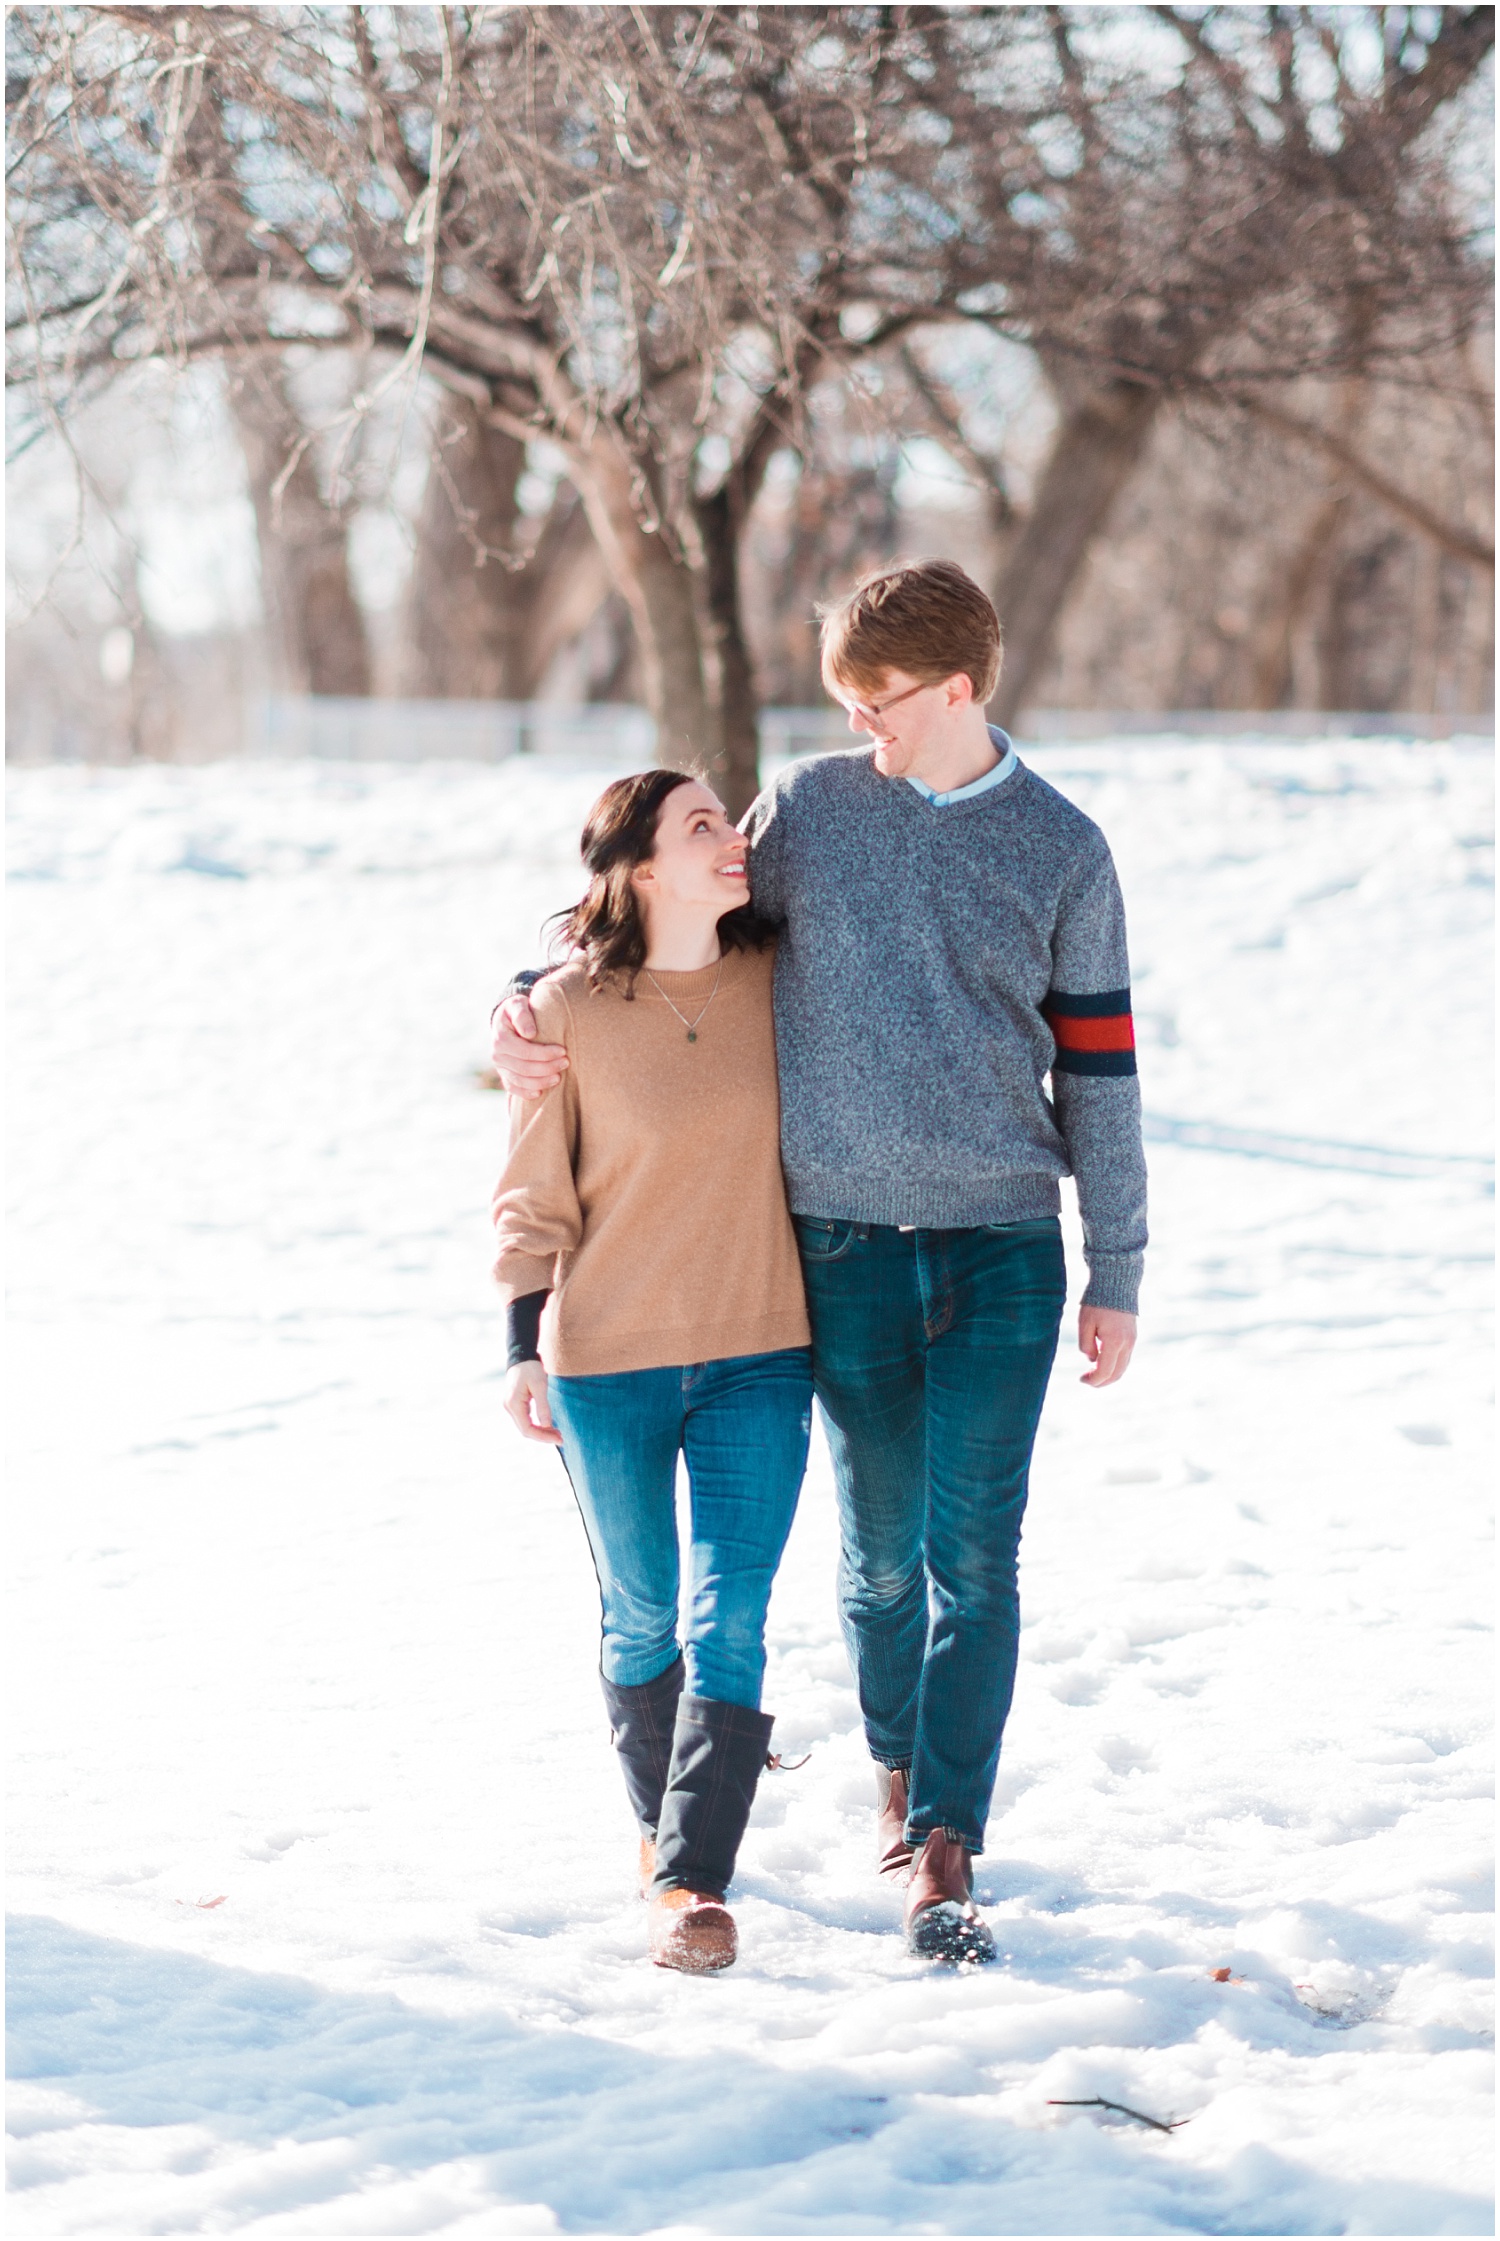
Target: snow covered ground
(320,1863)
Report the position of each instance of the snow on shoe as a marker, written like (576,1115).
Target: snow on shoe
(949,1932)
(692,1932)
(942,1922)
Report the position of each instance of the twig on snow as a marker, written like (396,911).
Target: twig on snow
(1097,2101)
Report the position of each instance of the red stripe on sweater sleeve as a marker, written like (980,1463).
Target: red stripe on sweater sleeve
(1094,1034)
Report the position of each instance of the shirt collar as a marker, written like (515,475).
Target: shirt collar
(976,786)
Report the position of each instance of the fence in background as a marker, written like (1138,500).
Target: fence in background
(492,731)
(1045,724)
(403,731)
(413,731)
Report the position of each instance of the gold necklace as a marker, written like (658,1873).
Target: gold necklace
(690,1024)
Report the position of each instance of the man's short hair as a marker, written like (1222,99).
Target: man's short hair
(927,617)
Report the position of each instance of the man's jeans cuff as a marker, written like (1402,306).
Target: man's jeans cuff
(916,1838)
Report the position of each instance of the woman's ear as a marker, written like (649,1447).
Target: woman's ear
(643,875)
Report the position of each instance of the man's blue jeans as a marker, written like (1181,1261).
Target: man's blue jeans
(931,1354)
(743,1427)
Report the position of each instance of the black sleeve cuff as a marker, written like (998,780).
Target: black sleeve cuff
(523,1322)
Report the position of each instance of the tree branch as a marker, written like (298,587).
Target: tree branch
(1453,537)
(945,411)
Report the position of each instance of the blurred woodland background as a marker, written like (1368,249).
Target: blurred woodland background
(575,353)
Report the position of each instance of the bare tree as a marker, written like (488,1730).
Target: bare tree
(835,519)
(643,234)
(315,632)
(493,596)
(1238,571)
(618,231)
(1338,444)
(1263,214)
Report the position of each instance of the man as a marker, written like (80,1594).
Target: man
(951,934)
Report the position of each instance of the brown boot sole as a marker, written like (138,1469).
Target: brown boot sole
(698,1942)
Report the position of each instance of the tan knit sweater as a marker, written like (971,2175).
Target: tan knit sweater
(646,1189)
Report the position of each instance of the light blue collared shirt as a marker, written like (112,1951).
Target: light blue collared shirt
(995,777)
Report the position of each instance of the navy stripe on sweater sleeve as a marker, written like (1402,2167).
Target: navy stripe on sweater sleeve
(1093,1034)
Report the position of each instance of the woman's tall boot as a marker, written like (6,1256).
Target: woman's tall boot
(642,1723)
(718,1752)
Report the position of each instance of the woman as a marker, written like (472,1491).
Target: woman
(655,1307)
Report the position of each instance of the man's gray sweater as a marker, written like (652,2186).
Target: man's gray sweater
(936,964)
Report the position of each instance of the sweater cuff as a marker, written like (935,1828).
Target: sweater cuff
(1114,1281)
(520,1273)
(523,1323)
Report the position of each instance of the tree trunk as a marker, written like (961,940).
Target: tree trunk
(1098,442)
(656,581)
(1274,642)
(1298,580)
(153,707)
(736,768)
(721,517)
(1426,630)
(315,632)
(483,622)
(462,630)
(559,592)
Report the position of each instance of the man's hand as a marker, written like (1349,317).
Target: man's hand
(525,1395)
(526,1067)
(1106,1337)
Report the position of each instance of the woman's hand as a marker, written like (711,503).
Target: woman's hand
(526,1402)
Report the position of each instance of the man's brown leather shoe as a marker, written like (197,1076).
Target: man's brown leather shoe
(942,1921)
(647,1864)
(892,1852)
(690,1931)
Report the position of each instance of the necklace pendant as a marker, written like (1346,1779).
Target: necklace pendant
(692,1034)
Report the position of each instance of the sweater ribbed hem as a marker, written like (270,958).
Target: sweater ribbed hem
(1115,1281)
(923,1202)
(673,1348)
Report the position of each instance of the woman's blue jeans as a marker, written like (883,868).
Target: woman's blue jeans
(932,1350)
(742,1426)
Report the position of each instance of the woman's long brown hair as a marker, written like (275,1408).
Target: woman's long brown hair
(608,925)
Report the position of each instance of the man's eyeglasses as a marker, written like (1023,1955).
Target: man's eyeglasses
(869,713)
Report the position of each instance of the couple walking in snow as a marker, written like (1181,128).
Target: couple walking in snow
(781,1126)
